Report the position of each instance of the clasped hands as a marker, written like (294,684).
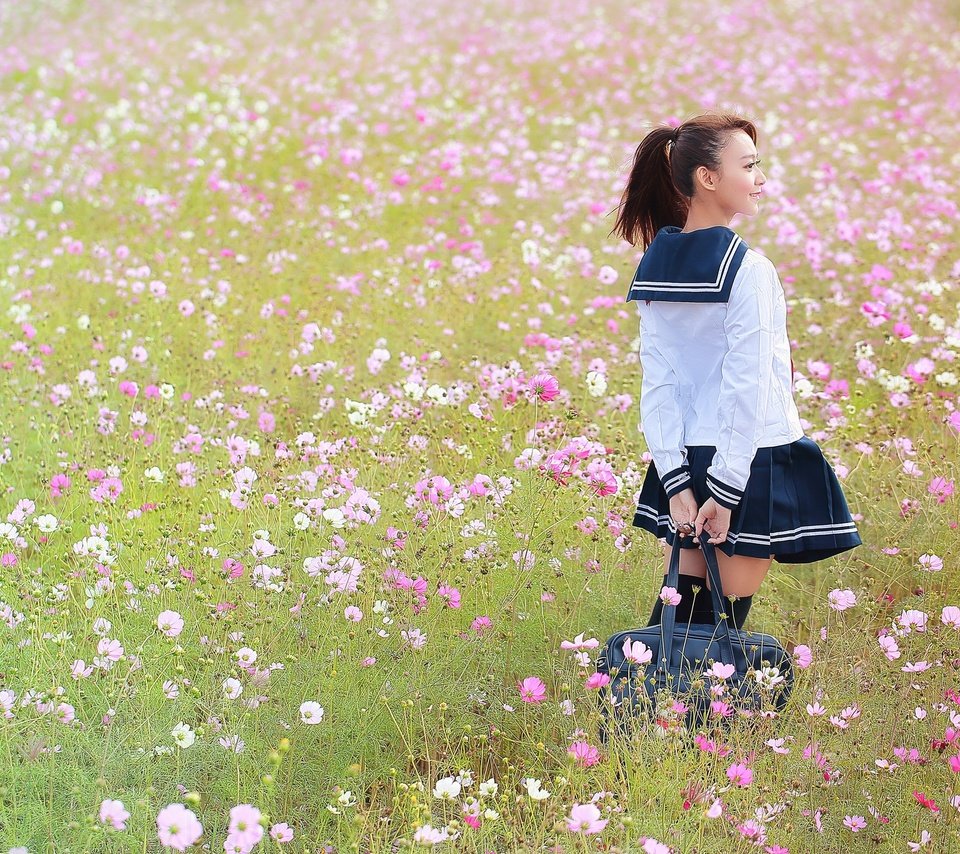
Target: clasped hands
(691,521)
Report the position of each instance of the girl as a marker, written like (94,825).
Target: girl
(717,410)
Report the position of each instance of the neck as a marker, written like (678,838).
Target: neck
(705,216)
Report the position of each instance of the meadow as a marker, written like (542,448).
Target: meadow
(319,439)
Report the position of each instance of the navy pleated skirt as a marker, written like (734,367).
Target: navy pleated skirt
(793,508)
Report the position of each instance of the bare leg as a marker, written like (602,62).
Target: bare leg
(691,563)
(740,576)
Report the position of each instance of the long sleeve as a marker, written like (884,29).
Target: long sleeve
(746,378)
(662,421)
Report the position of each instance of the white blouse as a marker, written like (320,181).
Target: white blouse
(719,374)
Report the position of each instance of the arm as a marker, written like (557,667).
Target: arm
(662,421)
(746,375)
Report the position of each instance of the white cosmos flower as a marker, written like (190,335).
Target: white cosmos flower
(335,517)
(183,735)
(46,523)
(311,712)
(446,789)
(535,790)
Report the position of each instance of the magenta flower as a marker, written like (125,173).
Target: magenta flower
(584,753)
(740,775)
(596,681)
(585,818)
(544,386)
(532,690)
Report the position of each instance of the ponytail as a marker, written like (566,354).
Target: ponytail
(660,185)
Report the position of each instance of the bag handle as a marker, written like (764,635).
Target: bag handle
(669,619)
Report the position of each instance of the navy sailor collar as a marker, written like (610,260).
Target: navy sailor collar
(692,266)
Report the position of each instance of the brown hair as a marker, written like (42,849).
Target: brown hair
(660,185)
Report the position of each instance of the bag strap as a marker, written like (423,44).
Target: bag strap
(668,620)
(716,593)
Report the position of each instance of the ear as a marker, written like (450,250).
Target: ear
(705,178)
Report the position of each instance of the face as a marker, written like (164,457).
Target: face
(736,187)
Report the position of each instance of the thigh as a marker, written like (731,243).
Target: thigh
(691,562)
(741,576)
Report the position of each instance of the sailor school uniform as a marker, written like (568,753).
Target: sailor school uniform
(716,402)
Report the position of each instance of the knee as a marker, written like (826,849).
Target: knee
(740,588)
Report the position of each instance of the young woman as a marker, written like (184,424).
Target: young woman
(717,410)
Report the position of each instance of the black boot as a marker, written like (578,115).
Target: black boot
(703,607)
(657,615)
(688,611)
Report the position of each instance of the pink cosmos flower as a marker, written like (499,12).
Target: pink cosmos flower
(950,616)
(740,774)
(245,828)
(450,595)
(532,690)
(584,753)
(596,681)
(913,619)
(855,822)
(544,386)
(802,656)
(637,652)
(585,818)
(481,624)
(669,595)
(579,643)
(721,670)
(941,488)
(931,563)
(281,832)
(890,647)
(178,827)
(840,600)
(113,814)
(170,623)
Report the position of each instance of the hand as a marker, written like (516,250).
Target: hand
(715,520)
(683,510)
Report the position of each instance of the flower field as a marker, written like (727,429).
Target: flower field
(319,438)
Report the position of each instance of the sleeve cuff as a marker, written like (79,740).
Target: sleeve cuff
(676,481)
(724,494)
